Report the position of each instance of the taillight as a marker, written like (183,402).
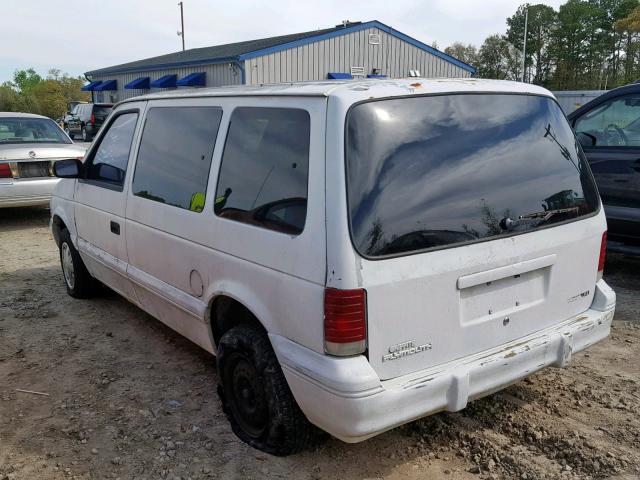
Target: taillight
(345,321)
(5,171)
(93,119)
(603,254)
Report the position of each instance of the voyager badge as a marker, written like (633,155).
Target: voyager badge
(405,349)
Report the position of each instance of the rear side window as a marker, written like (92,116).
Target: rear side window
(175,154)
(433,171)
(109,163)
(265,168)
(102,111)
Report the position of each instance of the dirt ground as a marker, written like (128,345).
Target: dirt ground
(128,398)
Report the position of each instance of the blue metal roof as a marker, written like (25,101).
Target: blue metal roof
(90,86)
(140,83)
(197,79)
(339,76)
(237,52)
(166,81)
(107,85)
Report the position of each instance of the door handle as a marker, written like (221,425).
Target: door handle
(115,228)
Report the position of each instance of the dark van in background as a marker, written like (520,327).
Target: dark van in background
(86,119)
(608,129)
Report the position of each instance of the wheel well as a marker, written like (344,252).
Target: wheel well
(59,223)
(227,313)
(58,226)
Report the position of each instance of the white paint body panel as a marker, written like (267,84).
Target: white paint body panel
(345,397)
(441,297)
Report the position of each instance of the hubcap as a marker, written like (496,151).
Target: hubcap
(67,265)
(84,134)
(247,402)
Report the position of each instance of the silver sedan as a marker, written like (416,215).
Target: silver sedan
(29,145)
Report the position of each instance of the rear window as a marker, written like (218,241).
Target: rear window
(435,171)
(102,111)
(16,130)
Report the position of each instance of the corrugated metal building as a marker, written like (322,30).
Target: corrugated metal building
(351,50)
(571,100)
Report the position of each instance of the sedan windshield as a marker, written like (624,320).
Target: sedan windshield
(30,130)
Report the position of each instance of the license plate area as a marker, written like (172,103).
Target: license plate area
(34,169)
(503,297)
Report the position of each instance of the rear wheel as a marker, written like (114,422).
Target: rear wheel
(86,137)
(255,394)
(77,279)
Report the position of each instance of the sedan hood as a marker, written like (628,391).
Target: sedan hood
(40,151)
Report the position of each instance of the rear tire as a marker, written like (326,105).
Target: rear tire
(77,279)
(256,396)
(86,137)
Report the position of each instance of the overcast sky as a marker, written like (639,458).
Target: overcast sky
(80,35)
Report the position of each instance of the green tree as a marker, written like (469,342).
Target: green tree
(466,53)
(24,80)
(629,28)
(48,98)
(9,99)
(495,59)
(29,92)
(540,27)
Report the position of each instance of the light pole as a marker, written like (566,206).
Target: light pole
(181,32)
(524,46)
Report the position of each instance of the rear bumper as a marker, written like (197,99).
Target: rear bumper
(23,193)
(345,397)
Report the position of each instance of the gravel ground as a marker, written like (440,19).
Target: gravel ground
(128,398)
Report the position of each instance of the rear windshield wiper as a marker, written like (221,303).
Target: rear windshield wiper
(538,217)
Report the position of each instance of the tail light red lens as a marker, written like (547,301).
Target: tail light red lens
(345,321)
(603,254)
(93,119)
(5,171)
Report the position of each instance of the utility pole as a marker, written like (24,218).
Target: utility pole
(524,47)
(181,32)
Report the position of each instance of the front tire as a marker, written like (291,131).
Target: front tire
(256,396)
(77,279)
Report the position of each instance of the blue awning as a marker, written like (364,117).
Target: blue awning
(196,79)
(339,76)
(166,81)
(107,85)
(376,76)
(91,86)
(140,83)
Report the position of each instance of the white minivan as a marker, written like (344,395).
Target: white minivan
(356,254)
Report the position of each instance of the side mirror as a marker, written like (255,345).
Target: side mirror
(71,168)
(586,139)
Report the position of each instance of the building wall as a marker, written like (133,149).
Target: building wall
(393,57)
(571,100)
(216,76)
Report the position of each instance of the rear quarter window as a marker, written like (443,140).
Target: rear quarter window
(436,171)
(265,169)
